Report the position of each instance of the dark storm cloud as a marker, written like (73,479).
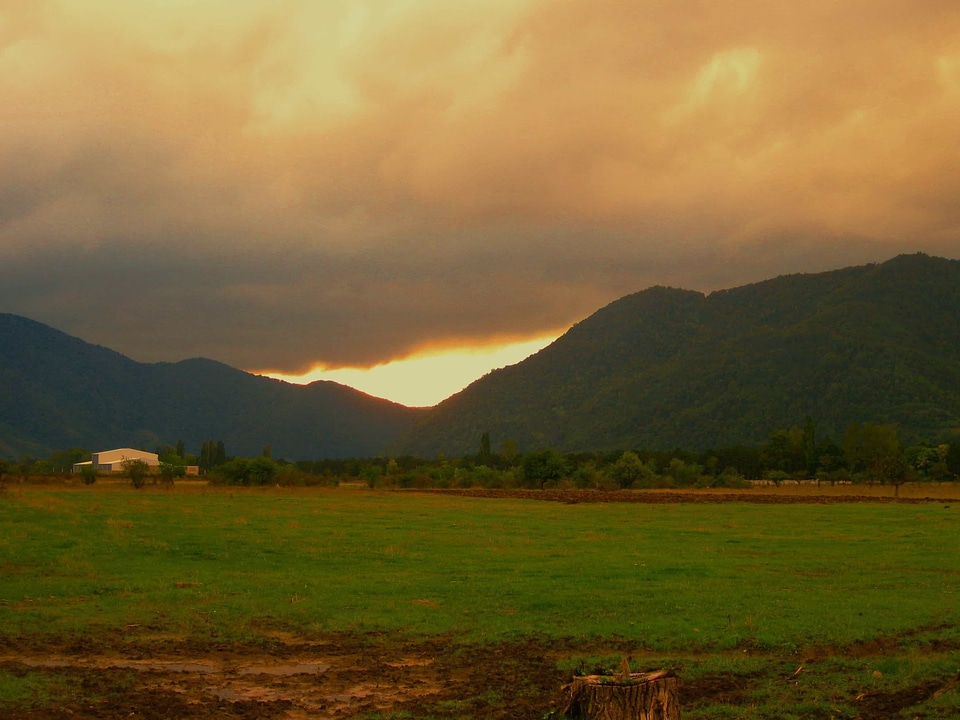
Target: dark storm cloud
(349,184)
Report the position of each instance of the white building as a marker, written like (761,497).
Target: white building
(111,461)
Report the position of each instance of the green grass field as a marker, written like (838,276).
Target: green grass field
(697,584)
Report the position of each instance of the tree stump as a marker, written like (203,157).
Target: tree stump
(633,696)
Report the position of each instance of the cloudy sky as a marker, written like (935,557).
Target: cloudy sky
(280,184)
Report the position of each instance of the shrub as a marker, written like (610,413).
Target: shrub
(88,474)
(137,471)
(730,478)
(171,471)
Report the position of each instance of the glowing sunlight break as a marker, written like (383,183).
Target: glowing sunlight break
(425,380)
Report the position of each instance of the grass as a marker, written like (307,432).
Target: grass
(705,587)
(33,689)
(229,565)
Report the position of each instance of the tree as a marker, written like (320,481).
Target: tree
(809,444)
(939,472)
(137,471)
(181,451)
(951,457)
(171,471)
(235,472)
(23,466)
(62,461)
(684,474)
(484,457)
(893,469)
(785,450)
(88,474)
(267,451)
(870,447)
(205,462)
(262,470)
(586,475)
(371,474)
(829,458)
(543,466)
(628,469)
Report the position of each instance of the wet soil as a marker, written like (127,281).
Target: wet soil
(341,676)
(355,676)
(656,497)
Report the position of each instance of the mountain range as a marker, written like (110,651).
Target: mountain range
(667,368)
(57,391)
(658,369)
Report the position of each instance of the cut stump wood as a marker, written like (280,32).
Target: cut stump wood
(636,696)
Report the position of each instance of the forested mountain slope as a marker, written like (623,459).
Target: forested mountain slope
(670,368)
(57,391)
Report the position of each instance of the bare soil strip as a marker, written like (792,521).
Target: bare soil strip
(360,676)
(779,496)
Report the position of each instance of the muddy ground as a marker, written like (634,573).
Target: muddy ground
(338,677)
(781,496)
(369,676)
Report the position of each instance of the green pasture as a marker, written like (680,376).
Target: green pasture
(732,590)
(236,565)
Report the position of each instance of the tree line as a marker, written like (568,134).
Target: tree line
(866,453)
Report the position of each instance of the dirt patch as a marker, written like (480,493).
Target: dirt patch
(656,497)
(880,705)
(729,688)
(369,676)
(343,677)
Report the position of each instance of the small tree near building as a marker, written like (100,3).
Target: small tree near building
(170,472)
(137,471)
(88,474)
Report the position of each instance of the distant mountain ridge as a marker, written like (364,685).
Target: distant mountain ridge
(667,368)
(57,391)
(658,369)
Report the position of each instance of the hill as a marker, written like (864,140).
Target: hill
(57,391)
(668,368)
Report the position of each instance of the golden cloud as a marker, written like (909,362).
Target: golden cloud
(388,172)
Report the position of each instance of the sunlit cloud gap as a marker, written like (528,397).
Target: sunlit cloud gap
(425,380)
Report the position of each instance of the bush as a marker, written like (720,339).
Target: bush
(543,466)
(137,471)
(371,475)
(777,477)
(169,472)
(242,471)
(684,474)
(629,469)
(262,470)
(730,478)
(88,474)
(587,476)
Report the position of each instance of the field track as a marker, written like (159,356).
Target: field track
(781,496)
(383,676)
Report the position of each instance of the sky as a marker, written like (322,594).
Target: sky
(291,186)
